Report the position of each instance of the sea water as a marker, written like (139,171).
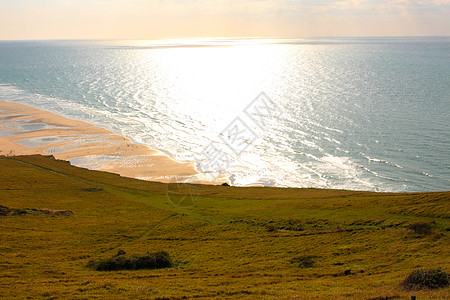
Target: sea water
(354,113)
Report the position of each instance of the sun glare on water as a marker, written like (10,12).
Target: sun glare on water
(214,80)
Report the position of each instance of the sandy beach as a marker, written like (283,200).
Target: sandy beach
(27,130)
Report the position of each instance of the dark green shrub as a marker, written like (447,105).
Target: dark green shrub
(156,260)
(4,211)
(305,261)
(114,264)
(421,228)
(19,211)
(92,189)
(426,279)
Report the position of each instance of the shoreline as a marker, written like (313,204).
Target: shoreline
(26,130)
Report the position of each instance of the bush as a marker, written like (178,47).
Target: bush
(92,189)
(421,228)
(158,260)
(426,279)
(305,261)
(4,211)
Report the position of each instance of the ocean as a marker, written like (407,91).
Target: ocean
(343,113)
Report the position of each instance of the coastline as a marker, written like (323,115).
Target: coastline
(26,130)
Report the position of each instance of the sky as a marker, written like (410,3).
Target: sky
(152,19)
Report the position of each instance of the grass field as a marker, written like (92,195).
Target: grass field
(227,242)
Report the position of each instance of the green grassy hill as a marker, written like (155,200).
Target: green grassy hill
(228,242)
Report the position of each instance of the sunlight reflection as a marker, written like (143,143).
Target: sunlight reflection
(214,83)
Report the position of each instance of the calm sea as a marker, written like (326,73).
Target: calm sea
(349,113)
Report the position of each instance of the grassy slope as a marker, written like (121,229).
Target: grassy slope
(222,242)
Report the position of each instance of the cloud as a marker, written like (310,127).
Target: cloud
(190,18)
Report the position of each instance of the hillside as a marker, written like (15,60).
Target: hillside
(227,241)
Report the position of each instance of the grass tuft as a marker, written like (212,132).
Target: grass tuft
(271,228)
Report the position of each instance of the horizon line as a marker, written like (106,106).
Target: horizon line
(224,38)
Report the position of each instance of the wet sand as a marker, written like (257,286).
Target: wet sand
(26,130)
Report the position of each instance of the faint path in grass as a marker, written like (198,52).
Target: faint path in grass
(144,234)
(127,194)
(71,177)
(29,229)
